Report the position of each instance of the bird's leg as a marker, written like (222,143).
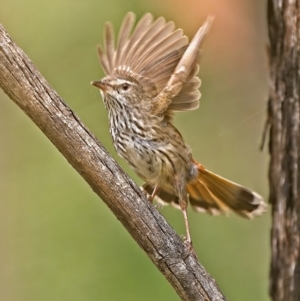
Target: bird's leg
(188,239)
(152,196)
(183,203)
(180,187)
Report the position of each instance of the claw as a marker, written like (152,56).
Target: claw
(189,249)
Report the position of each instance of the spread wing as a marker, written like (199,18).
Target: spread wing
(159,57)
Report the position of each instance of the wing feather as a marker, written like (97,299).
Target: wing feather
(137,34)
(109,45)
(123,36)
(103,60)
(165,47)
(154,44)
(147,39)
(187,64)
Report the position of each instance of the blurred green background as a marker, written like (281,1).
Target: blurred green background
(58,241)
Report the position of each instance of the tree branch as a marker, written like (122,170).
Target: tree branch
(284,121)
(22,82)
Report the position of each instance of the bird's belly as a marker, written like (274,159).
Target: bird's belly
(142,159)
(155,161)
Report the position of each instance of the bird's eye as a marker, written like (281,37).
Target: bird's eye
(125,87)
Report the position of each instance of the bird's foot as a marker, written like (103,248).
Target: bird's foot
(189,249)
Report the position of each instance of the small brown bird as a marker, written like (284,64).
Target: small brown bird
(151,73)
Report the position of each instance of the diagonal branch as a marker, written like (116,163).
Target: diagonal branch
(22,82)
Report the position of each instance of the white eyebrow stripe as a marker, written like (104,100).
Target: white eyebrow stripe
(120,82)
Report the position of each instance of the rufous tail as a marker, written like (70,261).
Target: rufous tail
(216,195)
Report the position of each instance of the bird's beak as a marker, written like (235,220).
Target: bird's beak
(100,85)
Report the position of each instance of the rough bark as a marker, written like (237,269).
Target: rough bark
(284,33)
(22,82)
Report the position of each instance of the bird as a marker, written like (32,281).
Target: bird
(151,72)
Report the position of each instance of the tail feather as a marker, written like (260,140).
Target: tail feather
(200,193)
(227,195)
(216,195)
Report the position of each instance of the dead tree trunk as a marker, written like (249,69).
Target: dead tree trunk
(284,33)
